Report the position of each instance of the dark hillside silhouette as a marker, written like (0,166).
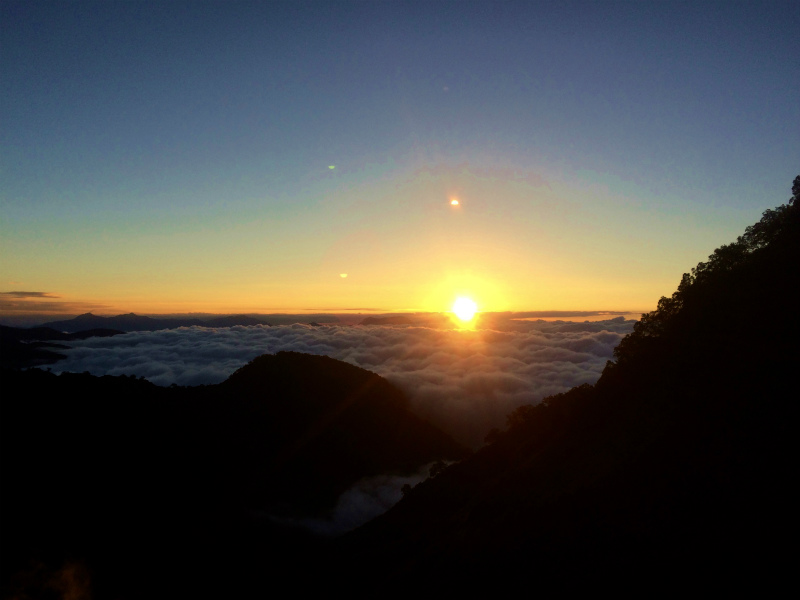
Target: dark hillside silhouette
(325,424)
(143,484)
(675,467)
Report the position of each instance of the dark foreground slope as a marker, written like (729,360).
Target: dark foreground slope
(678,466)
(172,492)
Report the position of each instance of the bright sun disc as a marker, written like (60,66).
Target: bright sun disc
(464,308)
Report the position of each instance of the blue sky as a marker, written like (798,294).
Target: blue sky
(160,156)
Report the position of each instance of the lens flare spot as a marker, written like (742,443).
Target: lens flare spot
(464,308)
(343,275)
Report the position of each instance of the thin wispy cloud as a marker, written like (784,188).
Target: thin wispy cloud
(12,306)
(28,295)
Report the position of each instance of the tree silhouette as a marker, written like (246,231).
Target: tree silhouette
(673,466)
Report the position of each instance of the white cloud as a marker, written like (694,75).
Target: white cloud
(464,381)
(364,501)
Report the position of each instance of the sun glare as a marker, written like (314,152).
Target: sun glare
(464,308)
(454,202)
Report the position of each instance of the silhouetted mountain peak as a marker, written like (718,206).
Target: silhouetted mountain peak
(294,367)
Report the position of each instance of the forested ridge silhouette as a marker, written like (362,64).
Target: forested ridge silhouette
(676,466)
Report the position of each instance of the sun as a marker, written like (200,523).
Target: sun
(464,308)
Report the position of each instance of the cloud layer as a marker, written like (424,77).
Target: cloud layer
(363,502)
(466,382)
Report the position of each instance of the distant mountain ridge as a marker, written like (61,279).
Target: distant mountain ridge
(393,320)
(133,322)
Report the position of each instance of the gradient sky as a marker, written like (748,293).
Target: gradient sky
(173,157)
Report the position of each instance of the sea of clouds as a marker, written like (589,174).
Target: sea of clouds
(464,381)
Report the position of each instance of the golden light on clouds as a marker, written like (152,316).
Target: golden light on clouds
(464,308)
